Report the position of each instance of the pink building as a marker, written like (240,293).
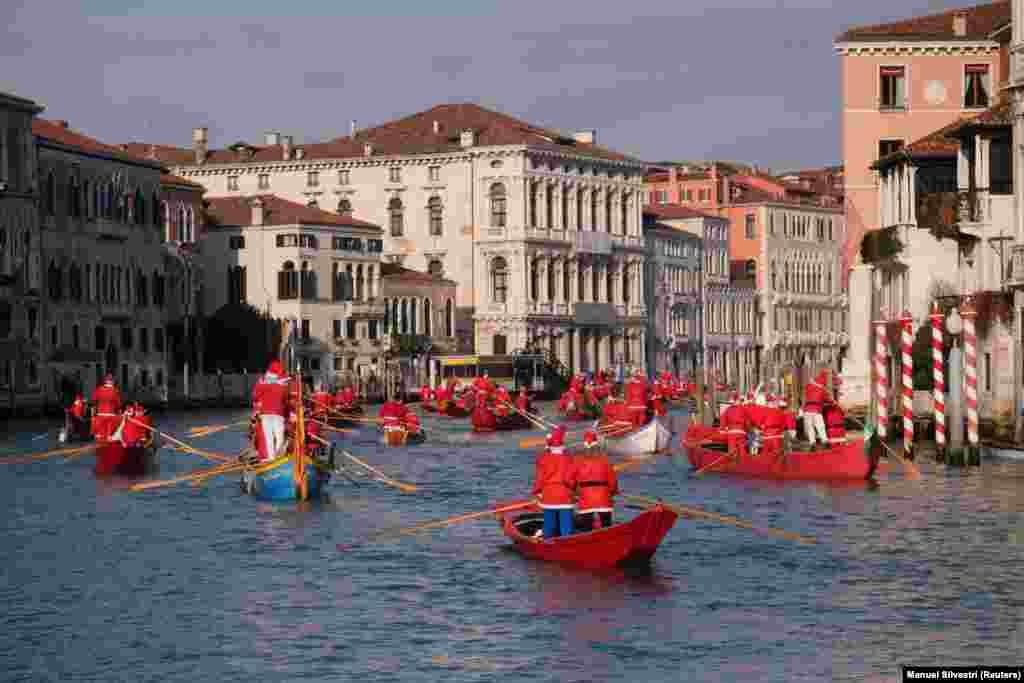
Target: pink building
(902,81)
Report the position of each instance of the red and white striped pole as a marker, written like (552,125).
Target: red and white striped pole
(882,375)
(938,379)
(907,361)
(968,312)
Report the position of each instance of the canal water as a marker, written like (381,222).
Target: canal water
(187,584)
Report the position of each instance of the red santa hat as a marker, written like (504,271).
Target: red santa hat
(556,437)
(275,368)
(108,379)
(589,439)
(822,377)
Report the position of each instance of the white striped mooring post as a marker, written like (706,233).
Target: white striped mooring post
(938,378)
(907,362)
(969,313)
(881,375)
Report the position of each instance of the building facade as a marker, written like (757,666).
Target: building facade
(674,286)
(297,263)
(903,81)
(21,351)
(458,187)
(103,265)
(420,304)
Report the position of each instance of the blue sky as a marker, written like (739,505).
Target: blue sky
(745,80)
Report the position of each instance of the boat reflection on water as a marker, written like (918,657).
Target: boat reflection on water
(554,587)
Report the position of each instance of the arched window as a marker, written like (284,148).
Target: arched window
(56,282)
(313,203)
(188,218)
(785,277)
(627,283)
(593,210)
(498,205)
(428,327)
(287,282)
(140,208)
(565,207)
(533,205)
(412,316)
(566,282)
(308,282)
(75,282)
(775,275)
(551,280)
(435,267)
(110,204)
(387,315)
(141,288)
(579,208)
(581,288)
(449,318)
(549,203)
(404,320)
(625,214)
(344,207)
(499,280)
(609,280)
(156,215)
(359,284)
(595,285)
(435,214)
(73,198)
(396,217)
(534,280)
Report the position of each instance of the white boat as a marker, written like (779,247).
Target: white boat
(651,438)
(1007,452)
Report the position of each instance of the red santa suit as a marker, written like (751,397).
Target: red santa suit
(483,419)
(815,398)
(596,483)
(774,428)
(736,423)
(835,425)
(426,393)
(320,401)
(555,476)
(270,399)
(523,402)
(108,409)
(412,422)
(392,413)
(502,400)
(636,399)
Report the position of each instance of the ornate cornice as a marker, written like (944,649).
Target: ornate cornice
(894,48)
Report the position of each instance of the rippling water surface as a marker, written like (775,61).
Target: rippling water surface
(207,584)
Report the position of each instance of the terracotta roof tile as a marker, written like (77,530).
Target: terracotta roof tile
(60,133)
(982,20)
(406,136)
(674,211)
(237,211)
(394,271)
(999,115)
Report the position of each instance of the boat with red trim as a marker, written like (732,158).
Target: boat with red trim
(114,458)
(848,461)
(627,544)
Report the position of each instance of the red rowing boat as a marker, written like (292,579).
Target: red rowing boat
(843,462)
(113,457)
(630,543)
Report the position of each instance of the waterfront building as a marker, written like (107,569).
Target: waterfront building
(21,298)
(103,265)
(420,304)
(902,81)
(319,270)
(540,230)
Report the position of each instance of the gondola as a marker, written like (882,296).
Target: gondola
(653,437)
(627,544)
(275,480)
(502,423)
(848,461)
(452,409)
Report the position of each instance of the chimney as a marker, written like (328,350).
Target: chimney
(437,127)
(352,128)
(368,149)
(200,138)
(286,147)
(467,139)
(257,211)
(299,152)
(588,137)
(63,124)
(273,138)
(960,24)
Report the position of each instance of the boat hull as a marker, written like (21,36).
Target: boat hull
(844,462)
(504,423)
(1002,452)
(653,437)
(401,437)
(631,543)
(278,482)
(114,458)
(451,409)
(342,418)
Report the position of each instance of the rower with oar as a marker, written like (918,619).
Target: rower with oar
(270,402)
(596,485)
(554,482)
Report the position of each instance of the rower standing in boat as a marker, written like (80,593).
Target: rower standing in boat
(774,428)
(502,400)
(596,485)
(553,484)
(107,398)
(76,417)
(636,398)
(270,399)
(523,401)
(412,423)
(321,401)
(835,424)
(735,423)
(815,396)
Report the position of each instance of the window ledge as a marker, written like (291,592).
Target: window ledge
(890,110)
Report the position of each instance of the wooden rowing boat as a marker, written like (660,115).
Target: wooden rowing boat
(847,461)
(114,458)
(452,409)
(502,423)
(399,435)
(627,544)
(1003,450)
(341,417)
(651,438)
(275,481)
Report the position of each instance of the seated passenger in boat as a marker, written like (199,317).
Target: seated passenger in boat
(523,401)
(107,399)
(426,393)
(571,401)
(392,412)
(483,418)
(412,423)
(132,432)
(735,423)
(76,416)
(835,424)
(601,388)
(502,401)
(554,482)
(596,485)
(774,429)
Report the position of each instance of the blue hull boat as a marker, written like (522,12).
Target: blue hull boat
(277,482)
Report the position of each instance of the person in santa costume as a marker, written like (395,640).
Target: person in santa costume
(596,485)
(107,399)
(320,402)
(735,424)
(270,399)
(554,483)
(815,399)
(636,398)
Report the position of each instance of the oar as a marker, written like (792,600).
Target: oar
(340,430)
(611,430)
(405,488)
(390,533)
(206,431)
(216,457)
(22,459)
(725,519)
(212,472)
(535,421)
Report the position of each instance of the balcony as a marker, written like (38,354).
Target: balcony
(1015,278)
(593,243)
(363,309)
(938,211)
(628,241)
